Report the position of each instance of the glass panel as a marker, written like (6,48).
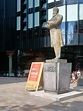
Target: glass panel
(81,39)
(30,32)
(72,35)
(63,31)
(36,3)
(81,1)
(62,12)
(30,20)
(81,12)
(30,3)
(18,5)
(36,22)
(80,18)
(80,26)
(18,22)
(44,6)
(72,39)
(70,27)
(50,13)
(72,12)
(50,1)
(36,32)
(59,2)
(71,1)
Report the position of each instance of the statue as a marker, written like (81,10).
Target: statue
(54,24)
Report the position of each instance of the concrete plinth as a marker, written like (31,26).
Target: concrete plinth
(57,76)
(80,81)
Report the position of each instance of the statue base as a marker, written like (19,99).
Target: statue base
(56,60)
(57,76)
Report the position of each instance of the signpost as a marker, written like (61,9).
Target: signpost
(35,75)
(10,53)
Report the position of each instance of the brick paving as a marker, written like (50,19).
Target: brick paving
(13,97)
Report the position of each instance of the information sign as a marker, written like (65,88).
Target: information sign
(35,75)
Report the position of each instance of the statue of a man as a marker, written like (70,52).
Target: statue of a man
(54,24)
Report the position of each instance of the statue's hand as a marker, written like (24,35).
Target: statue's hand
(49,24)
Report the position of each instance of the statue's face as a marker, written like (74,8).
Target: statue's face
(55,10)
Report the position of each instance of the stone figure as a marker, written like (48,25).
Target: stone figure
(54,24)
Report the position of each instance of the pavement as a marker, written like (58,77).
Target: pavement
(74,91)
(13,97)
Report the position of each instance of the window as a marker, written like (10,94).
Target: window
(30,21)
(50,13)
(18,5)
(50,1)
(72,12)
(36,3)
(18,23)
(30,3)
(63,31)
(30,32)
(36,22)
(71,1)
(72,36)
(81,1)
(81,18)
(36,32)
(81,23)
(62,12)
(60,2)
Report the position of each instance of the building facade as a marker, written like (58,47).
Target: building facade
(23,31)
(33,34)
(8,40)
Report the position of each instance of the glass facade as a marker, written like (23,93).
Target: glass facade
(7,25)
(36,35)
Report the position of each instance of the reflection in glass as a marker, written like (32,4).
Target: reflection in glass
(71,1)
(81,18)
(36,22)
(80,26)
(30,3)
(36,3)
(80,11)
(18,22)
(30,31)
(30,20)
(80,1)
(63,31)
(72,14)
(18,5)
(72,36)
(36,32)
(62,12)
(50,1)
(81,39)
(60,2)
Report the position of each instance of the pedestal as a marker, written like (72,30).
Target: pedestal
(57,76)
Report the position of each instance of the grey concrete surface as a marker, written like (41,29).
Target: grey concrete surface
(13,97)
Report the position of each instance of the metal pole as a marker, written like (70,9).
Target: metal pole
(10,65)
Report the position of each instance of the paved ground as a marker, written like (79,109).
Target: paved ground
(13,97)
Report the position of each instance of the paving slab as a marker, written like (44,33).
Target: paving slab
(74,92)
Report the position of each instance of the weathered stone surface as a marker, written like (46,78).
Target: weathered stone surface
(80,81)
(57,76)
(56,60)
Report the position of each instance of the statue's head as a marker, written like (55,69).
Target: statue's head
(55,10)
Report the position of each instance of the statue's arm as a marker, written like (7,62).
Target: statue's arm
(55,22)
(50,24)
(58,20)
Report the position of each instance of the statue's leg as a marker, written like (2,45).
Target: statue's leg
(57,50)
